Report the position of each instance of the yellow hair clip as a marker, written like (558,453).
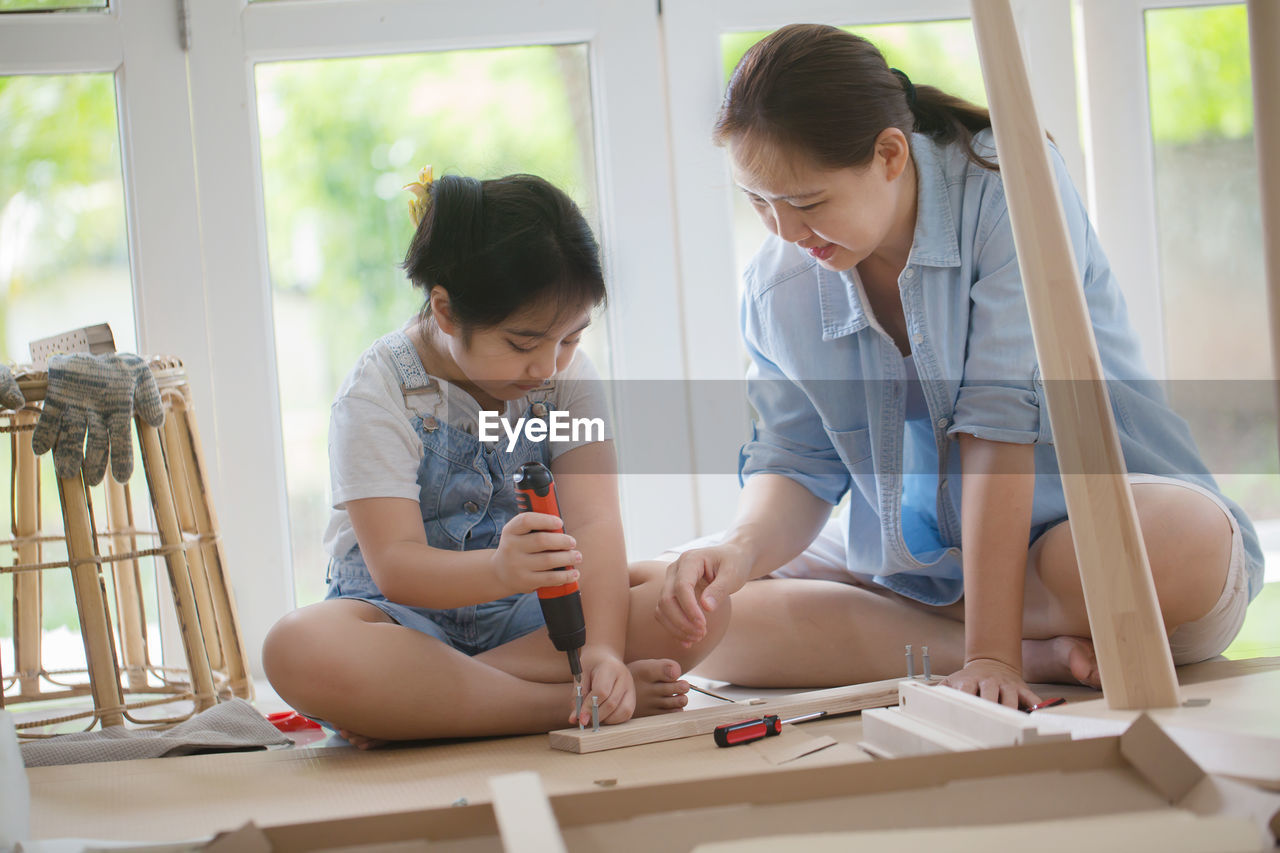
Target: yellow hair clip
(421,196)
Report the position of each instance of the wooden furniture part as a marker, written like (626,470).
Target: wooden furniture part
(1264,35)
(525,820)
(1129,637)
(837,700)
(940,719)
(119,675)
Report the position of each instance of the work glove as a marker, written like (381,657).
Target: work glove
(89,408)
(10,394)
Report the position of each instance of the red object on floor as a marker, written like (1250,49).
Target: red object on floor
(291,721)
(1048,703)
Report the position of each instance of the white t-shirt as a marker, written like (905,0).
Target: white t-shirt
(374,450)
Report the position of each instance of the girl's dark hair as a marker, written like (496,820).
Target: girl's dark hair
(828,93)
(503,245)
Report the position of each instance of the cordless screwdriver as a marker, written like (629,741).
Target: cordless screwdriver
(561,605)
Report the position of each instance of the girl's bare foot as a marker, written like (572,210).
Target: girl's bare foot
(1060,660)
(360,741)
(659,689)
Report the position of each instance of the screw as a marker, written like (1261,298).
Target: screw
(925,652)
(911,663)
(595,713)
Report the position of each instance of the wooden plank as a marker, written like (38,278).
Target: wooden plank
(984,723)
(836,700)
(525,820)
(1129,637)
(1264,35)
(889,733)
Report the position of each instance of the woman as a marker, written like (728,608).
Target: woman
(892,360)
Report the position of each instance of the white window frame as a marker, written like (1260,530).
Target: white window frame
(137,42)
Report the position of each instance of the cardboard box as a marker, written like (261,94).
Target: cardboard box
(1133,774)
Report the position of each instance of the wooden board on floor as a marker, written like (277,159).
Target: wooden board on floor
(836,700)
(1124,618)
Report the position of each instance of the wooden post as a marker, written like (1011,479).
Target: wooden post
(235,661)
(1264,56)
(129,609)
(179,478)
(91,602)
(1124,617)
(26,585)
(176,562)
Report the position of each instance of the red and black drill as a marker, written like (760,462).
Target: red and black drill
(561,605)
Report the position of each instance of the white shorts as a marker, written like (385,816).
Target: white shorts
(1207,637)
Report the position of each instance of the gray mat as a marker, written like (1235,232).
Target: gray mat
(230,726)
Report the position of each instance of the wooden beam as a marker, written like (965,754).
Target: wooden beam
(1264,35)
(1124,618)
(837,700)
(985,723)
(525,819)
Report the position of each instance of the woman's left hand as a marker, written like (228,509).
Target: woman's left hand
(606,676)
(994,680)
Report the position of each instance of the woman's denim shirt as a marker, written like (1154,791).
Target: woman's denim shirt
(828,385)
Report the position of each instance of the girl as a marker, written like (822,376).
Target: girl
(892,359)
(430,627)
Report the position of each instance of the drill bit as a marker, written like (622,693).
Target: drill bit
(577,700)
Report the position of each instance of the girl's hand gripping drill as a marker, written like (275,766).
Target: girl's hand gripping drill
(561,605)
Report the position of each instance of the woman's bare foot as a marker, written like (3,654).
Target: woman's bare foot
(1060,660)
(659,689)
(360,741)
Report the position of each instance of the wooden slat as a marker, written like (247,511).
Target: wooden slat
(525,820)
(837,700)
(1264,57)
(1129,637)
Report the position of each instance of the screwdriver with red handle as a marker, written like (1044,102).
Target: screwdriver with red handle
(747,731)
(561,605)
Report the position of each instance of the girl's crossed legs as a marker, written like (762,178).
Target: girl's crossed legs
(347,662)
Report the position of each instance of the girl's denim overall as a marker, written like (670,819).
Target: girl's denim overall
(466,496)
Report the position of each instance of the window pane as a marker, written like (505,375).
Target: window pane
(46,5)
(935,53)
(1210,237)
(64,260)
(339,139)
